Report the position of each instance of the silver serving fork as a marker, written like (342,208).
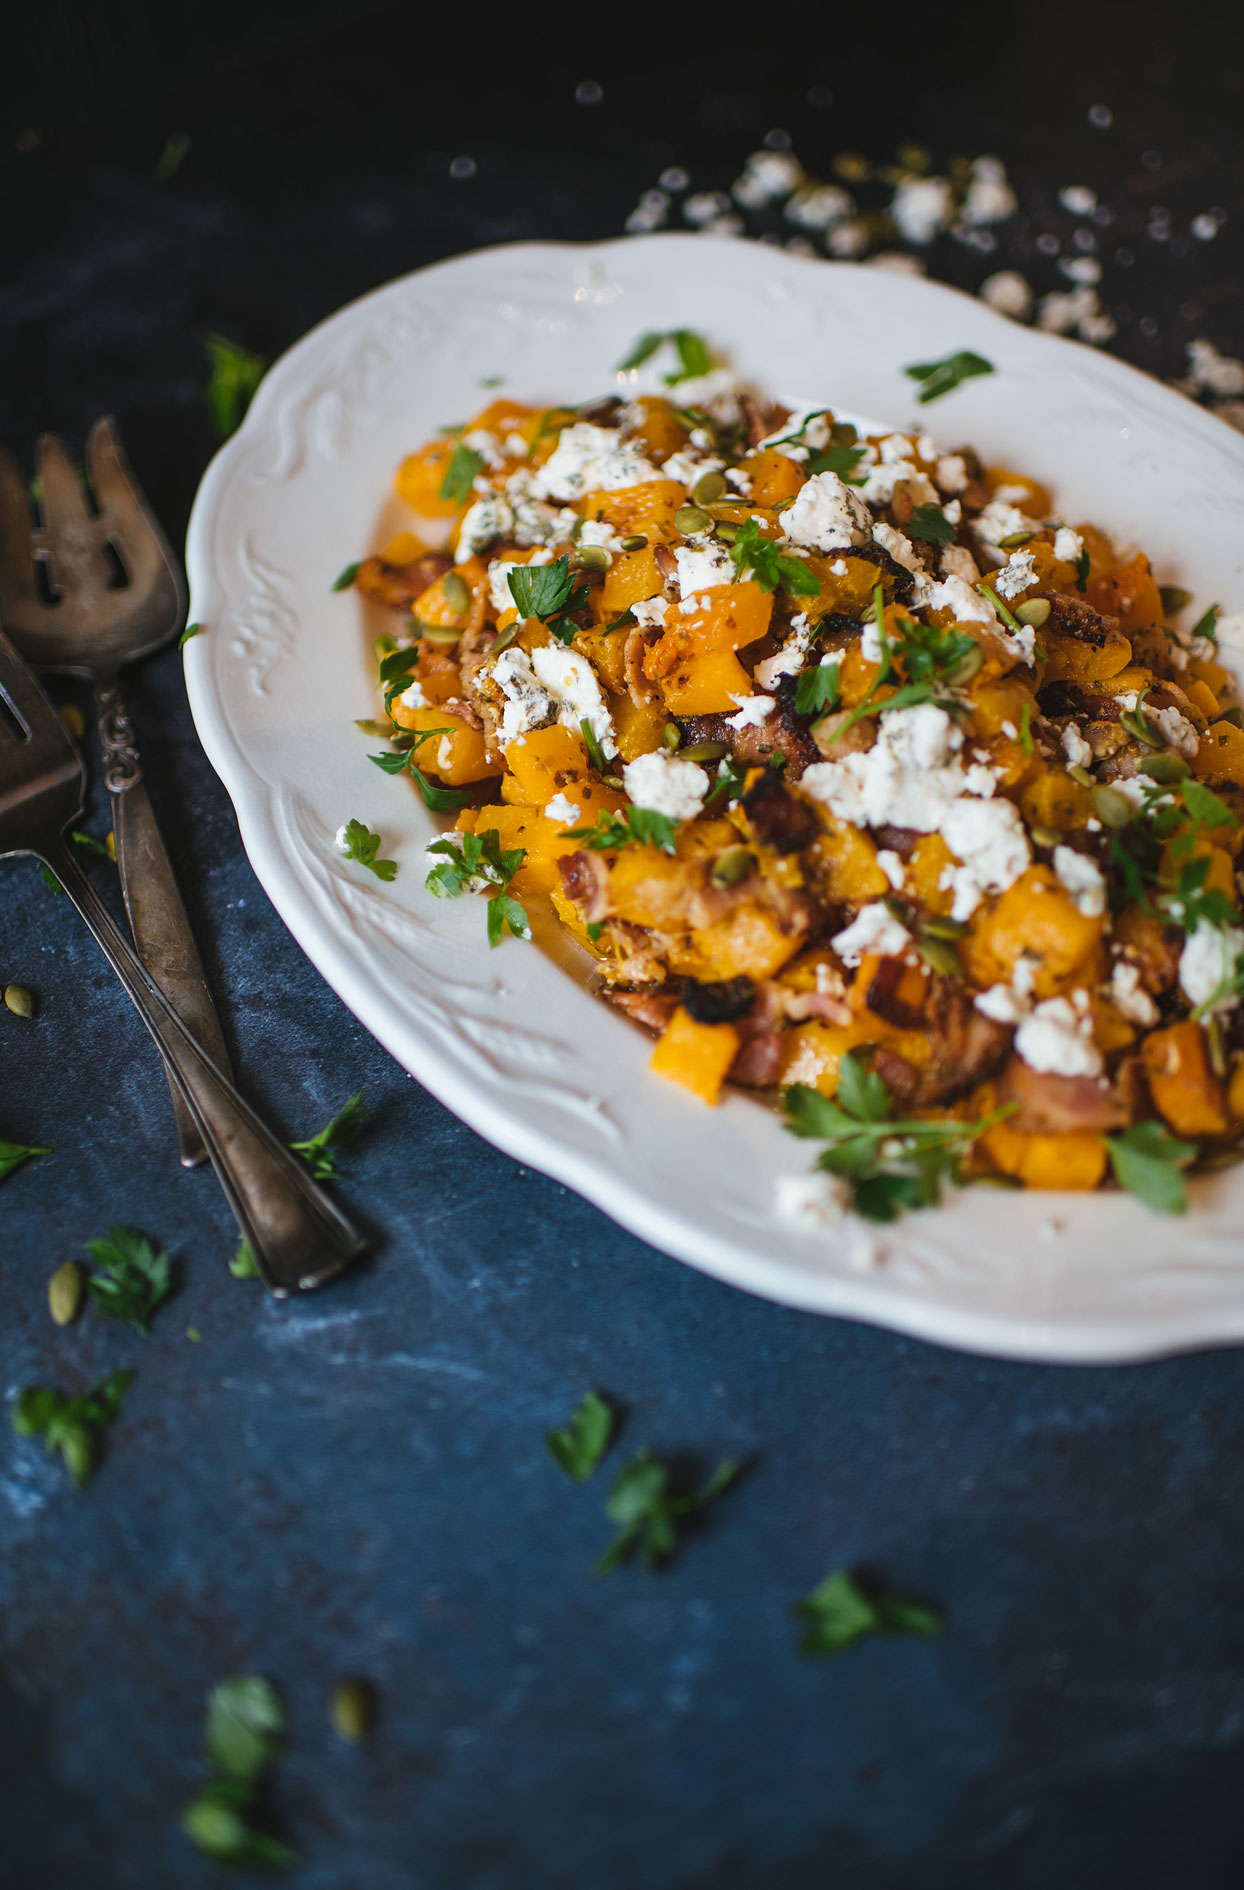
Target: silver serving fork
(298,1236)
(95,626)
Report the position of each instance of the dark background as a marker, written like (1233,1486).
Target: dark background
(357,1484)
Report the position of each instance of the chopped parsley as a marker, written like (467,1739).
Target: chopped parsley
(236,373)
(694,359)
(842,460)
(1083,563)
(394,675)
(1149,1163)
(243,1265)
(770,567)
(442,800)
(841,1610)
(1207,626)
(191,630)
(133,1278)
(579,1445)
(360,844)
(347,577)
(1025,728)
(13,1154)
(319,1151)
(933,660)
(888,1163)
(549,592)
(640,824)
(242,1739)
(942,377)
(465,464)
(477,864)
(727,787)
(930,523)
(71,1425)
(817,690)
(648,1513)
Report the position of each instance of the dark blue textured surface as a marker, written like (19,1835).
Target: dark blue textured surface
(358,1483)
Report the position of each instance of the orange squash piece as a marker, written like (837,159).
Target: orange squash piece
(420,477)
(774,477)
(706,685)
(696,1055)
(1183,1086)
(457,758)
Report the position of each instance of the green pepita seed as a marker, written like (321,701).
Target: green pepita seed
(506,637)
(456,591)
(1035,612)
(708,488)
(1133,720)
(591,558)
(1111,808)
(671,736)
(842,433)
(692,518)
(727,531)
(441,633)
(1013,540)
(940,955)
(1045,836)
(945,928)
(1233,715)
(1163,767)
(614,781)
(704,751)
(732,866)
(383,646)
(381,730)
(65,1293)
(353,1709)
(1080,774)
(1221,1158)
(897,908)
(634,541)
(1174,598)
(1216,1044)
(969,665)
(19,1000)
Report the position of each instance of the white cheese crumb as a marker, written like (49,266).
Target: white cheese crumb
(487,520)
(1002,1003)
(956,595)
(909,777)
(341,840)
(689,468)
(597,532)
(874,929)
(564,812)
(951,472)
(892,866)
(789,660)
(988,838)
(591,459)
(957,561)
(1057,1038)
(1129,996)
(1016,575)
(1068,544)
(1078,752)
(703,564)
(888,465)
(412,697)
(998,521)
(1175,729)
(663,784)
(827,515)
(1080,875)
(752,711)
(1207,962)
(813,1201)
(650,612)
(899,547)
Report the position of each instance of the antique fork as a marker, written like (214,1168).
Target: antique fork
(298,1236)
(100,619)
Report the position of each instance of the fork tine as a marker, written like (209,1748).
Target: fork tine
(122,506)
(19,596)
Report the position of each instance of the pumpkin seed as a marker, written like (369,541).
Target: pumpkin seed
(634,541)
(1163,767)
(65,1293)
(1133,720)
(1220,1158)
(19,1000)
(727,532)
(1111,808)
(842,433)
(443,633)
(1080,774)
(614,781)
(731,866)
(383,646)
(1045,836)
(946,928)
(1216,1044)
(353,1709)
(1013,540)
(897,908)
(671,736)
(1233,715)
(940,955)
(381,730)
(705,751)
(1174,598)
(969,665)
(708,488)
(692,518)
(1035,612)
(506,637)
(591,558)
(456,591)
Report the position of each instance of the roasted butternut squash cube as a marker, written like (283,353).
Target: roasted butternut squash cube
(706,685)
(420,477)
(1183,1085)
(458,757)
(696,1055)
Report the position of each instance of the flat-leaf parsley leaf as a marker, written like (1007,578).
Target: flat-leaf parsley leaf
(71,1425)
(647,1512)
(1149,1163)
(840,1611)
(318,1151)
(549,592)
(465,464)
(359,843)
(579,1445)
(236,373)
(758,556)
(641,824)
(442,800)
(476,864)
(133,1279)
(941,377)
(13,1154)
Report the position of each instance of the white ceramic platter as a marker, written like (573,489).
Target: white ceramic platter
(508,1039)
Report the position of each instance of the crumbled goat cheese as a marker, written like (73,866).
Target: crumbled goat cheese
(535,523)
(663,784)
(999,521)
(740,479)
(412,697)
(1129,996)
(486,521)
(1009,293)
(910,777)
(552,685)
(1057,1038)
(1078,752)
(807,431)
(951,472)
(753,710)
(564,812)
(874,929)
(1016,575)
(1080,875)
(892,866)
(486,445)
(1207,962)
(716,393)
(591,459)
(1175,729)
(1002,1003)
(703,564)
(956,595)
(814,1201)
(957,561)
(1068,545)
(989,838)
(596,532)
(891,465)
(827,515)
(499,577)
(789,659)
(650,612)
(689,468)
(899,547)
(341,840)
(921,208)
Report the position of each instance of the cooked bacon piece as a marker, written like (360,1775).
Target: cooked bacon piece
(1059,1105)
(397,586)
(834,738)
(800,1005)
(1074,617)
(900,1077)
(652,1005)
(604,412)
(585,877)
(642,691)
(899,840)
(885,997)
(777,818)
(758,1062)
(639,954)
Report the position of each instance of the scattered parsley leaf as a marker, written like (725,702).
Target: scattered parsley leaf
(394,672)
(941,377)
(816,692)
(1207,626)
(1025,728)
(1083,564)
(243,1736)
(13,1154)
(694,359)
(236,373)
(648,1514)
(549,592)
(465,465)
(1205,806)
(477,863)
(363,845)
(594,928)
(842,460)
(346,577)
(49,879)
(133,1279)
(839,1612)
(245,1721)
(318,1151)
(1148,1162)
(640,824)
(191,630)
(930,523)
(579,1445)
(1191,903)
(442,800)
(243,1265)
(769,566)
(643,350)
(71,1425)
(727,787)
(219,1821)
(87,843)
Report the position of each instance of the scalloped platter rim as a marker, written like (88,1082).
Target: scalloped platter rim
(510,1040)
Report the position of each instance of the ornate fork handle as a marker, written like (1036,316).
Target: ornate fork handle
(158,919)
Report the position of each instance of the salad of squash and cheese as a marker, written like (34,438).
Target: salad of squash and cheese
(861,775)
